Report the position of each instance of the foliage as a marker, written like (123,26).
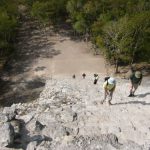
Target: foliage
(8,24)
(121,28)
(49,11)
(125,39)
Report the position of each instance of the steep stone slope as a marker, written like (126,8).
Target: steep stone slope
(68,115)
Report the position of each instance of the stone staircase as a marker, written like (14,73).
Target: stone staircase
(68,116)
(127,116)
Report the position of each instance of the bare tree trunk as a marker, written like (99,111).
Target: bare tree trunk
(116,66)
(133,55)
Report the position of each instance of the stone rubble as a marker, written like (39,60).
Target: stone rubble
(68,116)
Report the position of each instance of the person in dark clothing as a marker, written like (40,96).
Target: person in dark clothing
(96,77)
(83,75)
(74,76)
(136,79)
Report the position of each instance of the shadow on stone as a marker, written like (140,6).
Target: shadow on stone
(20,91)
(36,83)
(133,102)
(143,95)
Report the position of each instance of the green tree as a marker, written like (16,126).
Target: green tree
(125,39)
(49,11)
(8,24)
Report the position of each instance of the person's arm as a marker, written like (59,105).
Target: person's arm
(105,90)
(140,80)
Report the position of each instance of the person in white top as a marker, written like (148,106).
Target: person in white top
(109,87)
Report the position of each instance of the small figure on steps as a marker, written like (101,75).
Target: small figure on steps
(83,75)
(74,76)
(96,77)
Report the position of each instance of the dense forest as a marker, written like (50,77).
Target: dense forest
(8,22)
(119,28)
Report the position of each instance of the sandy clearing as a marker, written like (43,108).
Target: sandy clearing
(74,58)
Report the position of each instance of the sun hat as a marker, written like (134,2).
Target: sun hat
(138,74)
(111,81)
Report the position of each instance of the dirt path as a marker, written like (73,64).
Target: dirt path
(73,58)
(41,55)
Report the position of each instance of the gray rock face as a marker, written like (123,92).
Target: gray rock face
(3,118)
(16,126)
(68,116)
(10,112)
(39,126)
(32,145)
(7,135)
(132,145)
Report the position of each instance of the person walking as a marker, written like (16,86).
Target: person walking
(96,77)
(109,87)
(74,76)
(135,79)
(83,75)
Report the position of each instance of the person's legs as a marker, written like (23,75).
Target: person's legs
(135,86)
(95,81)
(110,97)
(105,96)
(131,90)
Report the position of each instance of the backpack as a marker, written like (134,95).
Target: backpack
(106,79)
